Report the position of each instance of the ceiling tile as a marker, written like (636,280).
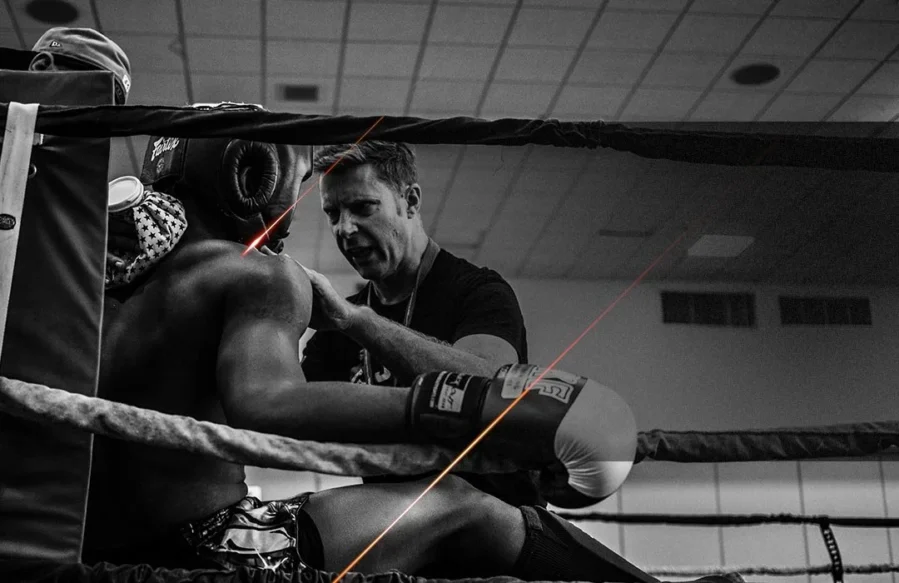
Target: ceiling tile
(730,6)
(589,102)
(710,34)
(814,8)
(8,38)
(542,65)
(884,82)
(863,40)
(372,60)
(514,100)
(660,104)
(386,21)
(158,89)
(151,54)
(497,159)
(137,16)
(216,88)
(559,3)
(219,55)
(602,255)
(649,5)
(236,17)
(301,58)
(792,37)
(551,28)
(463,63)
(462,24)
(477,3)
(787,66)
(555,158)
(864,108)
(275,101)
(31,35)
(631,30)
(300,19)
(730,106)
(608,68)
(677,70)
(434,159)
(792,107)
(374,96)
(877,10)
(84,18)
(437,96)
(823,76)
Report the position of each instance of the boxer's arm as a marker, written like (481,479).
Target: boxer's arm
(260,382)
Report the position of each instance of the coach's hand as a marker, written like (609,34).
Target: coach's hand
(330,310)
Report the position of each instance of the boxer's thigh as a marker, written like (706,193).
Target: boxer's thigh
(453,520)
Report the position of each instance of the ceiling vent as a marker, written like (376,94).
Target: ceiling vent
(299,93)
(709,309)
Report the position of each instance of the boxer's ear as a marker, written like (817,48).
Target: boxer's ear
(413,200)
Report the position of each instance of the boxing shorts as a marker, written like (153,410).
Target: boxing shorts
(275,536)
(155,220)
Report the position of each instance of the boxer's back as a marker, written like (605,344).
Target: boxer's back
(160,342)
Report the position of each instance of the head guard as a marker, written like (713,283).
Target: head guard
(250,184)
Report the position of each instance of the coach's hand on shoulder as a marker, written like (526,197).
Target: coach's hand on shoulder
(330,310)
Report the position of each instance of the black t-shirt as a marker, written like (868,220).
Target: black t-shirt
(455,299)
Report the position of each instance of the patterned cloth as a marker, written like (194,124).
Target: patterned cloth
(262,535)
(159,223)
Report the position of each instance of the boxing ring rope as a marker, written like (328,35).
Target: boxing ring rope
(836,568)
(744,148)
(38,402)
(120,421)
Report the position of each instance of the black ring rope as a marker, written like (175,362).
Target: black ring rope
(742,146)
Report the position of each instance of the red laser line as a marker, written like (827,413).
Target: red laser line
(527,389)
(260,238)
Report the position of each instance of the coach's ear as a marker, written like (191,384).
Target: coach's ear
(413,200)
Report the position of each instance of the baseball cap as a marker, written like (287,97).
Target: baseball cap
(89,46)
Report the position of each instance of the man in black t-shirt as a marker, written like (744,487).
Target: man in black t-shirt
(422,309)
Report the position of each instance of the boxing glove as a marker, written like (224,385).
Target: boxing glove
(579,433)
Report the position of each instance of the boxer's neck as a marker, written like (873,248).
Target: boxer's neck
(398,286)
(201,228)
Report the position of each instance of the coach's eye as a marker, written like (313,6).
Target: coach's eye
(365,208)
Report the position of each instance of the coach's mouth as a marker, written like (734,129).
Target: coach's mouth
(360,253)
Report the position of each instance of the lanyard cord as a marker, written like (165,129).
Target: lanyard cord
(423,268)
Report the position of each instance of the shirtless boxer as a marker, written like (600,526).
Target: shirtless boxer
(214,335)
